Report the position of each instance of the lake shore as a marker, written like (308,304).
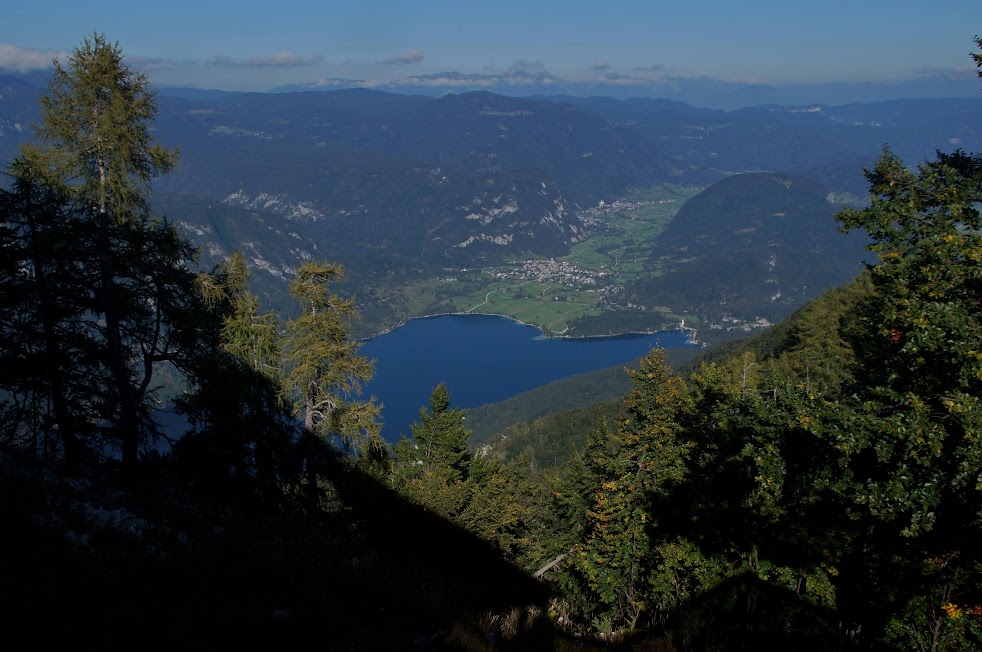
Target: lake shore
(692,332)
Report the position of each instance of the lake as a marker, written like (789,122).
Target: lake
(484,359)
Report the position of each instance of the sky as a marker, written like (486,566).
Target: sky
(259,45)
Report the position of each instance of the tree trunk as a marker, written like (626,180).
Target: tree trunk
(129,422)
(52,355)
(313,493)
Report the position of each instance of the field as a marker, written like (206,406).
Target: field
(551,293)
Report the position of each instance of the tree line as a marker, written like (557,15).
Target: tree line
(825,495)
(100,298)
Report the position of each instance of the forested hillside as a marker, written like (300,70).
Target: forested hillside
(817,488)
(429,202)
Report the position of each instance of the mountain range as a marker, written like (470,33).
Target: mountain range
(402,188)
(530,78)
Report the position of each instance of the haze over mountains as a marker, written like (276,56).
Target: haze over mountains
(528,79)
(401,187)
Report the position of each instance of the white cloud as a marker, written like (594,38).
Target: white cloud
(336,82)
(946,73)
(448,79)
(410,56)
(618,79)
(601,66)
(16,59)
(147,63)
(284,59)
(523,65)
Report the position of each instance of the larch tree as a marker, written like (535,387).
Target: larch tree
(239,425)
(324,374)
(94,148)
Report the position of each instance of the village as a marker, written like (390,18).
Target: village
(551,271)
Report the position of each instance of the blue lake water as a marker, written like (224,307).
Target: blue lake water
(484,359)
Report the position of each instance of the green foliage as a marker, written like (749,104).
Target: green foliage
(506,508)
(921,338)
(632,462)
(440,437)
(504,504)
(95,138)
(323,369)
(241,435)
(552,441)
(80,200)
(323,373)
(432,467)
(914,440)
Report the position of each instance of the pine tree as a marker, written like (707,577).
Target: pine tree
(94,146)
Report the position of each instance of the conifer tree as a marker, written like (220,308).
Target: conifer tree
(439,437)
(432,467)
(913,443)
(632,462)
(240,430)
(44,336)
(325,374)
(95,152)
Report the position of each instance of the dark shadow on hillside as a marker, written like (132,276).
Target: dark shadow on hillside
(376,573)
(785,590)
(747,613)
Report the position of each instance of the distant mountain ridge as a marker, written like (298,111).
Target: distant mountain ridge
(402,188)
(18,113)
(697,91)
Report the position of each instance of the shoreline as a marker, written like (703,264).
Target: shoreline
(692,338)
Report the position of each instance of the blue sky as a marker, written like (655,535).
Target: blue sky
(253,45)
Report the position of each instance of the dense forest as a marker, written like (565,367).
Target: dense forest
(816,487)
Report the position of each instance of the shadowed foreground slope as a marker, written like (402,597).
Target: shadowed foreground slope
(162,572)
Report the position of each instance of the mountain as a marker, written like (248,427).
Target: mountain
(401,187)
(404,188)
(829,144)
(18,112)
(527,79)
(752,246)
(477,133)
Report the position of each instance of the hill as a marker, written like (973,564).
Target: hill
(751,246)
(551,423)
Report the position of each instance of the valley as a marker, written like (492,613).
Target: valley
(418,394)
(550,293)
(580,216)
